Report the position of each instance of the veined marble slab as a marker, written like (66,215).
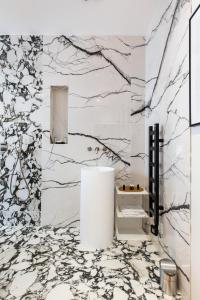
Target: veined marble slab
(46,264)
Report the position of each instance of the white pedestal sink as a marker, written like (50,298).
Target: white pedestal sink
(97,207)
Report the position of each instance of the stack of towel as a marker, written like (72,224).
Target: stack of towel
(132,211)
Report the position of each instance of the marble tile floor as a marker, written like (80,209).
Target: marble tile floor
(39,263)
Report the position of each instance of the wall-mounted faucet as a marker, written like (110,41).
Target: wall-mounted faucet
(97,149)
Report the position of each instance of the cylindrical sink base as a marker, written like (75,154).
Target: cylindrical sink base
(97,208)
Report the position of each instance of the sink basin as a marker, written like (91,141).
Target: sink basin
(97,207)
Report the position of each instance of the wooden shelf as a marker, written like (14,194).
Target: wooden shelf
(120,213)
(131,193)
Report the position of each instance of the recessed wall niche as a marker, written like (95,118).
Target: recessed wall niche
(59,115)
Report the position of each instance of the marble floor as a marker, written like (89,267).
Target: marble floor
(46,263)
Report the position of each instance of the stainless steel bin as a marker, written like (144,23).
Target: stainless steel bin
(168,277)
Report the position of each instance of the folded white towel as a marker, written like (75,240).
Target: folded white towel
(132,211)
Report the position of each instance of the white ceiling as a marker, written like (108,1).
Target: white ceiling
(128,17)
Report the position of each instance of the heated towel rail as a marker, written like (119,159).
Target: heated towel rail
(154,157)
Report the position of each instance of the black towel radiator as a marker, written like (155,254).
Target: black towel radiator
(154,155)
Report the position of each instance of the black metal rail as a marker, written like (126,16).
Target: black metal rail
(154,157)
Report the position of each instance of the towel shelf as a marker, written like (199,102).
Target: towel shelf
(130,215)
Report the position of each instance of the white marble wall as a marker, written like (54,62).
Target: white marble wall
(167,102)
(195,204)
(105,77)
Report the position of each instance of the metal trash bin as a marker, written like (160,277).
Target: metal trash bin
(168,277)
